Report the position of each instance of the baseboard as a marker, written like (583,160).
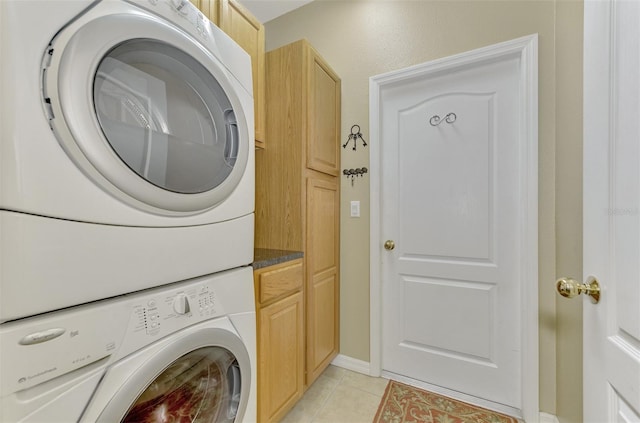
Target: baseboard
(548,418)
(352,364)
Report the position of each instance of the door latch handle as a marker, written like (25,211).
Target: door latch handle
(389,245)
(569,288)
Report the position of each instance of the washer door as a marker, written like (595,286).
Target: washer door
(190,381)
(146,111)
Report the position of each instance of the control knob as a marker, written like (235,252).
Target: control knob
(181,304)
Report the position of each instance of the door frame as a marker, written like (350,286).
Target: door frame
(527,49)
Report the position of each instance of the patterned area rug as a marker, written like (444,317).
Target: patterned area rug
(405,404)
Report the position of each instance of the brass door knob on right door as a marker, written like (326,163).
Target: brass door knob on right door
(389,245)
(569,288)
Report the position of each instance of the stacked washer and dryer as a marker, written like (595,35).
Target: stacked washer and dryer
(126,214)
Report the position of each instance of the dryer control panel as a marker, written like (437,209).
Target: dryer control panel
(187,16)
(183,12)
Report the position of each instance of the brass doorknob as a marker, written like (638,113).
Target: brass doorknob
(570,288)
(389,245)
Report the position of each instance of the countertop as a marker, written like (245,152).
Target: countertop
(263,257)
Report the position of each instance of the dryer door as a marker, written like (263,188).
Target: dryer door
(146,110)
(200,378)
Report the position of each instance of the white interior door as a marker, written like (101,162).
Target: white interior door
(612,210)
(455,198)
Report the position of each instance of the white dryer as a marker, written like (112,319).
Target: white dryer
(183,352)
(126,150)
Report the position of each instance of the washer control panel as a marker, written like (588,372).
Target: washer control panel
(173,310)
(41,348)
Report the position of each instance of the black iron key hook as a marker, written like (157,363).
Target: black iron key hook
(354,173)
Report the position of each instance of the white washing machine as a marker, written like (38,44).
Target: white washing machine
(182,352)
(126,150)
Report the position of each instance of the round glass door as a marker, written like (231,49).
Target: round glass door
(201,386)
(165,116)
(148,112)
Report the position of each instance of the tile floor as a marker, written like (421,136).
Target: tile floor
(339,396)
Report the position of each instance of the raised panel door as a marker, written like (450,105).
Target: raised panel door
(323,151)
(281,356)
(453,200)
(611,238)
(322,261)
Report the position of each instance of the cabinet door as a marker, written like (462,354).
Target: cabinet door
(248,32)
(281,355)
(323,141)
(323,272)
(209,8)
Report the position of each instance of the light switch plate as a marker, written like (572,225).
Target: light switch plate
(355,209)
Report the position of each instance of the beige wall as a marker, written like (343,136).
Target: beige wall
(365,38)
(569,29)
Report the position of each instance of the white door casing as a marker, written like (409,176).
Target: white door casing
(612,210)
(455,303)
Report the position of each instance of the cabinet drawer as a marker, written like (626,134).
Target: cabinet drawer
(280,280)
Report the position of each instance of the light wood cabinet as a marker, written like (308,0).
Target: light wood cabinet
(323,296)
(280,304)
(237,22)
(323,116)
(297,187)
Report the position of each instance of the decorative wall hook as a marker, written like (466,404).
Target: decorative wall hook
(354,136)
(449,118)
(354,173)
